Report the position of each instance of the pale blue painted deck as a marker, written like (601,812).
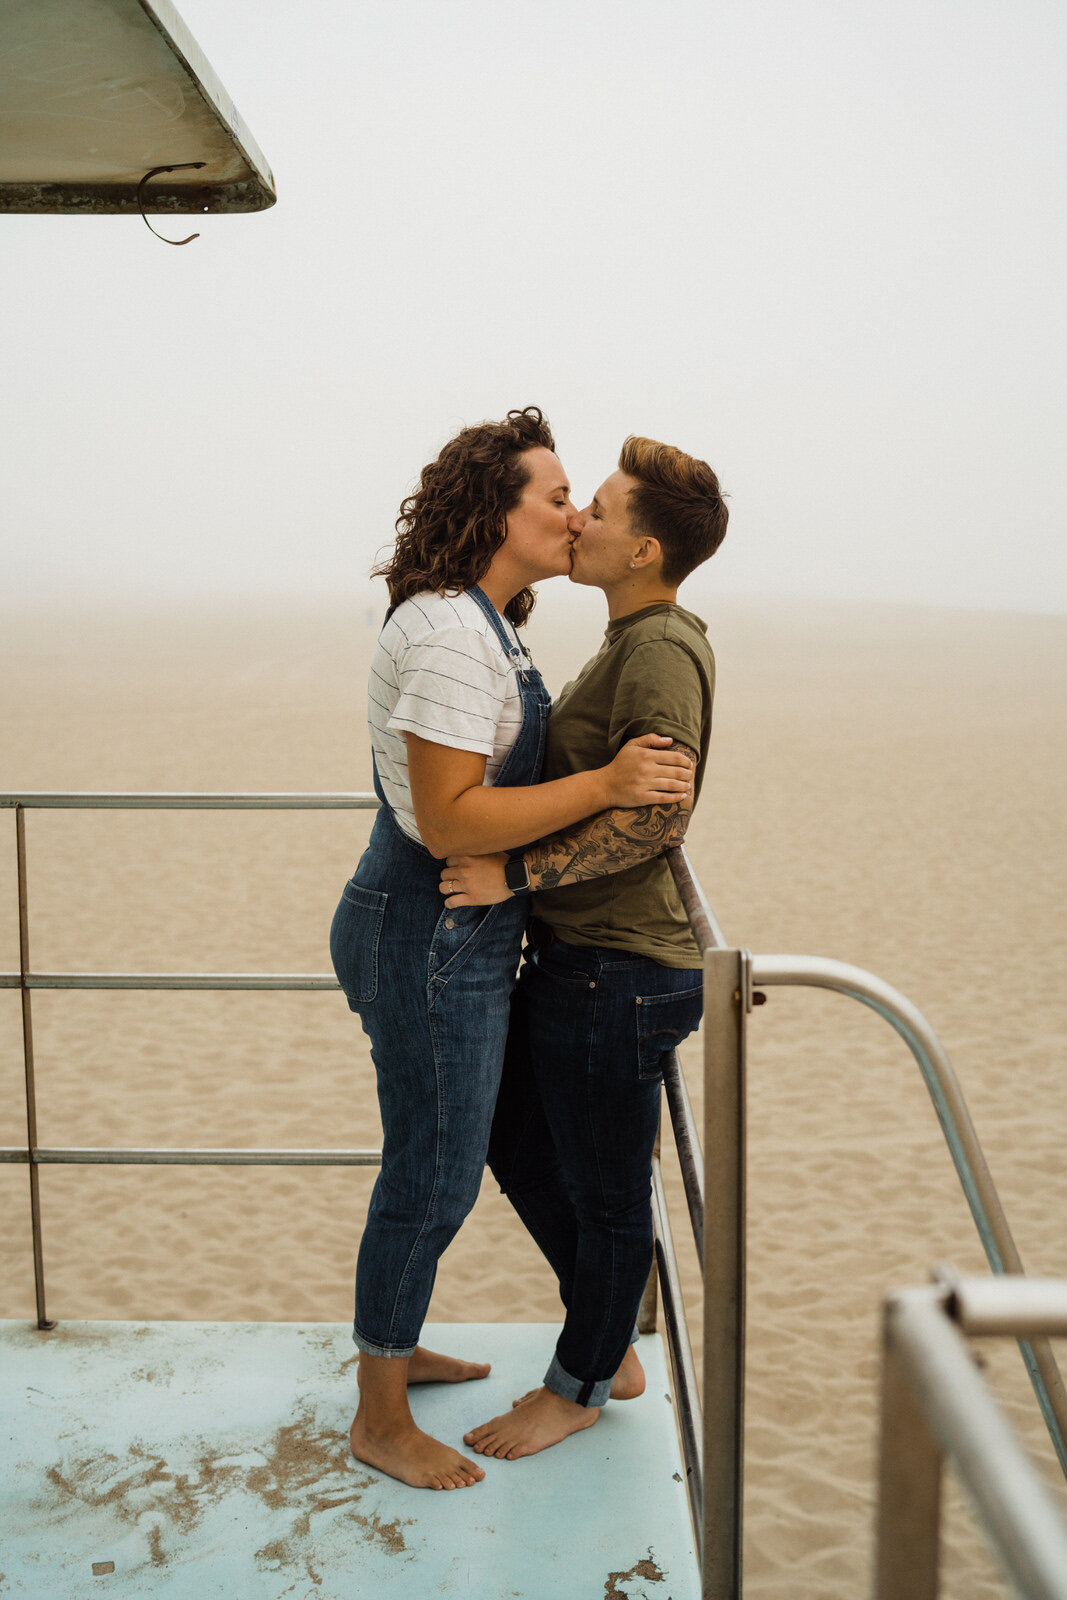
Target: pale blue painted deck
(211,1459)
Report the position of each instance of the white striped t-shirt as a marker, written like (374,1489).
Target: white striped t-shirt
(440,671)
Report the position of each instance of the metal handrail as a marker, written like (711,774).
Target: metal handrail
(32,1155)
(731,978)
(960,1135)
(687,1143)
(713,1451)
(680,1348)
(935,1404)
(170,980)
(697,907)
(147,800)
(168,1156)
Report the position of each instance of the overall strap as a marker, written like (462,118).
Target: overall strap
(518,655)
(379,791)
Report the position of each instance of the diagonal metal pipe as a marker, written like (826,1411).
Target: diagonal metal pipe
(960,1135)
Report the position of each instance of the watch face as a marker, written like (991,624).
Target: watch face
(517,875)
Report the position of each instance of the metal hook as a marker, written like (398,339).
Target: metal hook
(182,166)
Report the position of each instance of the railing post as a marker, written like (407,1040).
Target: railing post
(726,997)
(907,1535)
(648,1311)
(27,1056)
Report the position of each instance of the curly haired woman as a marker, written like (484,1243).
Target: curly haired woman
(457,716)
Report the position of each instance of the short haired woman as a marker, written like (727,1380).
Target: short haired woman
(457,715)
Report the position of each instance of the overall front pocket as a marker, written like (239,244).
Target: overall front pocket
(663,1021)
(457,936)
(354,938)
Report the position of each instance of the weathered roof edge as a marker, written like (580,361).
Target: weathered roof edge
(182,191)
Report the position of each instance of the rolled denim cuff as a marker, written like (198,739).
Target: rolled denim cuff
(371,1349)
(568,1388)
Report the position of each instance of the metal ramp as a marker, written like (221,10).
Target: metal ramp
(193,1460)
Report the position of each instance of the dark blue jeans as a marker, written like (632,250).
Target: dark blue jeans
(431,987)
(573,1135)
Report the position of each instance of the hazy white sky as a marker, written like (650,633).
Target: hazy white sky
(820,244)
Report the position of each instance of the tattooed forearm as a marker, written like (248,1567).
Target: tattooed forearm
(608,843)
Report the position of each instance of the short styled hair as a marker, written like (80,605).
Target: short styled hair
(677,500)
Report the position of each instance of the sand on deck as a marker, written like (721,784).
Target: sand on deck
(886,787)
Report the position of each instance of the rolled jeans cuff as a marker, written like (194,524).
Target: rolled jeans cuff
(369,1348)
(583,1394)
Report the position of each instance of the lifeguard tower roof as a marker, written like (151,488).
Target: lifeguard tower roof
(95,94)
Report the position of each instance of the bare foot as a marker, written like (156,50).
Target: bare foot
(627,1384)
(542,1419)
(426,1366)
(414,1457)
(629,1381)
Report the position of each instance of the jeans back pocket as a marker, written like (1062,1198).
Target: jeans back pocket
(663,1021)
(354,938)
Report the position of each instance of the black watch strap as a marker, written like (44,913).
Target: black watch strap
(517,874)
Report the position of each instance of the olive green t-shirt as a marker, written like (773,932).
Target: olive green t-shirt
(654,673)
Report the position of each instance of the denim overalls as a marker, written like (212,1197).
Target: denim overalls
(432,988)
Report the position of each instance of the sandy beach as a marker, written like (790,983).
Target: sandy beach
(887,787)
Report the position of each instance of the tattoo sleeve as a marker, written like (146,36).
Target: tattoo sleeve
(609,842)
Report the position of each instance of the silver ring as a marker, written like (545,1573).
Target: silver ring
(451,885)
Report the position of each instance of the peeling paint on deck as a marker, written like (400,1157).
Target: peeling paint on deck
(303,1472)
(209,1461)
(641,1573)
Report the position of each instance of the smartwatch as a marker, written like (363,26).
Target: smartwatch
(517,874)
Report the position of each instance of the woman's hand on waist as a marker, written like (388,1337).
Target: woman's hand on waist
(474,880)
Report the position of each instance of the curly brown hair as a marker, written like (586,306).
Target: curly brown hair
(449,530)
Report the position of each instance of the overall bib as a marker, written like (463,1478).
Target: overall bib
(432,989)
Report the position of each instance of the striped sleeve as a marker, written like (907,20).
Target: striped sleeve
(453,686)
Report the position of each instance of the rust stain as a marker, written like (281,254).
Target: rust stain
(647,1570)
(74,1333)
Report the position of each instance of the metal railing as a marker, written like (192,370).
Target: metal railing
(713,1436)
(935,1406)
(734,982)
(34,1155)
